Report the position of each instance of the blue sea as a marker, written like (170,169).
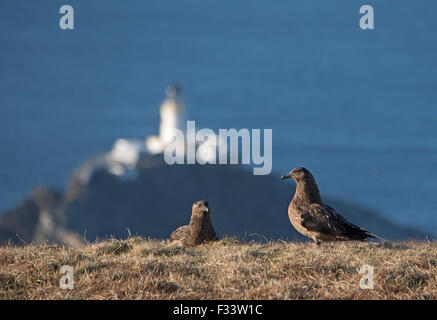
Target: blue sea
(358,108)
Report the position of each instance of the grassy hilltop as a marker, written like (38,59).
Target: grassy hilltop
(144,269)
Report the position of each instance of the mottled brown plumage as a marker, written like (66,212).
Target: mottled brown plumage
(199,230)
(314,219)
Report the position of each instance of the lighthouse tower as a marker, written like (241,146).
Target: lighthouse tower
(172,114)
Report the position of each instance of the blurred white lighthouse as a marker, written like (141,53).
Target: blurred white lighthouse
(126,153)
(172,114)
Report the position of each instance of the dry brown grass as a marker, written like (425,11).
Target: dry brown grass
(143,269)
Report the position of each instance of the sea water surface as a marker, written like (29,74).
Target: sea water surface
(358,108)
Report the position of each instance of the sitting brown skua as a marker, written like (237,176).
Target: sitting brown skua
(199,230)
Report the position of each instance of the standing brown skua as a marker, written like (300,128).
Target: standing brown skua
(315,220)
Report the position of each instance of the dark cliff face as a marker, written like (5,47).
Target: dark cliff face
(159,199)
(21,224)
